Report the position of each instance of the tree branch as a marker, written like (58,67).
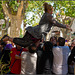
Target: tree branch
(39,15)
(5,9)
(72,21)
(20,8)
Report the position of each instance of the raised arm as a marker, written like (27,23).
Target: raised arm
(55,23)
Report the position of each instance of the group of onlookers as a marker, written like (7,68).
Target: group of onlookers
(46,57)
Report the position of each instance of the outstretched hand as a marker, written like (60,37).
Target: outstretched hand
(68,27)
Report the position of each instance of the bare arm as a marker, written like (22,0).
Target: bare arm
(17,57)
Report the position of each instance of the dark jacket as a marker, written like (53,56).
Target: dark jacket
(72,56)
(45,24)
(45,63)
(45,59)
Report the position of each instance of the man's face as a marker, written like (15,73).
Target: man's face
(53,40)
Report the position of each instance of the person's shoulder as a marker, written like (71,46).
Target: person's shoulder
(48,14)
(55,46)
(66,47)
(74,47)
(13,48)
(24,49)
(32,54)
(24,55)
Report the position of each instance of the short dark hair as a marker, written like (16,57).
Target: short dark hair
(30,48)
(61,41)
(48,46)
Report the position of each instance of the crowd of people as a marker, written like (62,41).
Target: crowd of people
(49,57)
(31,55)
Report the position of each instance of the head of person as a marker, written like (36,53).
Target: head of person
(18,47)
(8,47)
(73,40)
(47,46)
(73,43)
(53,40)
(61,41)
(36,41)
(32,48)
(48,8)
(2,42)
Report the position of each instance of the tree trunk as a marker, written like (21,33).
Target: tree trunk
(16,20)
(15,26)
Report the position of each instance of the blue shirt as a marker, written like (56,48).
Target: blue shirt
(61,54)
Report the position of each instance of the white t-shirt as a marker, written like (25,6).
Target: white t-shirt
(61,54)
(28,63)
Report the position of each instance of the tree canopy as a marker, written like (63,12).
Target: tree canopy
(1,11)
(66,7)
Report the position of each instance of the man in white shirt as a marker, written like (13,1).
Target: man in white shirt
(28,61)
(61,54)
